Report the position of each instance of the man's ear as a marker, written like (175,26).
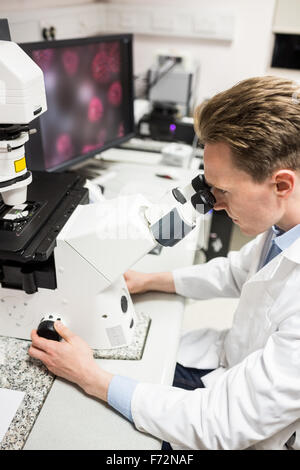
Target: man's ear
(284,182)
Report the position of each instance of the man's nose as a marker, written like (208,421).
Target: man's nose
(219,206)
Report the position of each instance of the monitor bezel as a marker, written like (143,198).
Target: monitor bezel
(35,158)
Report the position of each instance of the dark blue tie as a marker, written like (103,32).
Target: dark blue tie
(273,251)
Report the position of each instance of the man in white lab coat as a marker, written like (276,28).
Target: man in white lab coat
(251,398)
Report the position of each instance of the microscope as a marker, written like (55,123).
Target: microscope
(61,257)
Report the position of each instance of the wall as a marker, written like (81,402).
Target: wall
(221,64)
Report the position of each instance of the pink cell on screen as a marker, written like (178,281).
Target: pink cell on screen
(100,69)
(113,56)
(64,145)
(115,94)
(70,61)
(95,110)
(43,58)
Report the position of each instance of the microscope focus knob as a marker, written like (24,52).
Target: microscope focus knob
(46,330)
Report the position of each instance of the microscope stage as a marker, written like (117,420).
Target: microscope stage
(28,233)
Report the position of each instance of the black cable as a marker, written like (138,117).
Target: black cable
(159,77)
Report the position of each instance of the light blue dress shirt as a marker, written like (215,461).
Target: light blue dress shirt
(119,394)
(121,388)
(280,240)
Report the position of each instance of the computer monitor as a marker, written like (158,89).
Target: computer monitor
(89,89)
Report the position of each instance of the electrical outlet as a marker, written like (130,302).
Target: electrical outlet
(184,58)
(162,59)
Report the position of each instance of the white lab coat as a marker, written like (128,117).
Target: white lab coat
(252,399)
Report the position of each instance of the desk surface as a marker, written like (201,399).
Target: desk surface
(70,419)
(131,178)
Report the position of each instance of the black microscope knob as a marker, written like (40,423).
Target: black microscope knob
(46,330)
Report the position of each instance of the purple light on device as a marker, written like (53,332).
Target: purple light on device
(172,127)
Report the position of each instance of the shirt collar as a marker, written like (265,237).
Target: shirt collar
(284,239)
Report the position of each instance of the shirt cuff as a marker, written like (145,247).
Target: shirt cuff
(119,394)
(177,278)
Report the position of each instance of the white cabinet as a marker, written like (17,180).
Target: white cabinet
(97,18)
(68,22)
(207,23)
(287,17)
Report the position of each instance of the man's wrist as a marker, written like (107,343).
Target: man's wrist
(97,382)
(162,281)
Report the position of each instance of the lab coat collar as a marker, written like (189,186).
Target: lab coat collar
(285,239)
(266,273)
(293,252)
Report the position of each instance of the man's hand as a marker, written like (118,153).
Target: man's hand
(71,359)
(138,282)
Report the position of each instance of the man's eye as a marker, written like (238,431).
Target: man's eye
(222,191)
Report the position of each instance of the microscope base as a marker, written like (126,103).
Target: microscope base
(135,349)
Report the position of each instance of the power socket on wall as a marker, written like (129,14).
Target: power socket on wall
(184,59)
(162,59)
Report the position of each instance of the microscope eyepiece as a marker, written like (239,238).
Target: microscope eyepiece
(203,201)
(199,183)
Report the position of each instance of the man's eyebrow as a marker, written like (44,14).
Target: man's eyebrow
(213,186)
(207,182)
(210,184)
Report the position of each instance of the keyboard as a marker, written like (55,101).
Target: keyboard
(146,145)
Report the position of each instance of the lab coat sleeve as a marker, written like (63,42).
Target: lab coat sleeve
(249,403)
(220,277)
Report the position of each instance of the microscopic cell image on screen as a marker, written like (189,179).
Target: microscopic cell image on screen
(87,103)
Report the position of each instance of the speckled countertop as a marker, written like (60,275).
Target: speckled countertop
(18,371)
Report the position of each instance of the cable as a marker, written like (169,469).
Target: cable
(164,70)
(162,73)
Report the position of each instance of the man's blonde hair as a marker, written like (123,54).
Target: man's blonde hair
(259,118)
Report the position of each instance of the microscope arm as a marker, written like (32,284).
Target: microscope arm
(112,235)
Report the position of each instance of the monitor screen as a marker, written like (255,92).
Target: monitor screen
(89,89)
